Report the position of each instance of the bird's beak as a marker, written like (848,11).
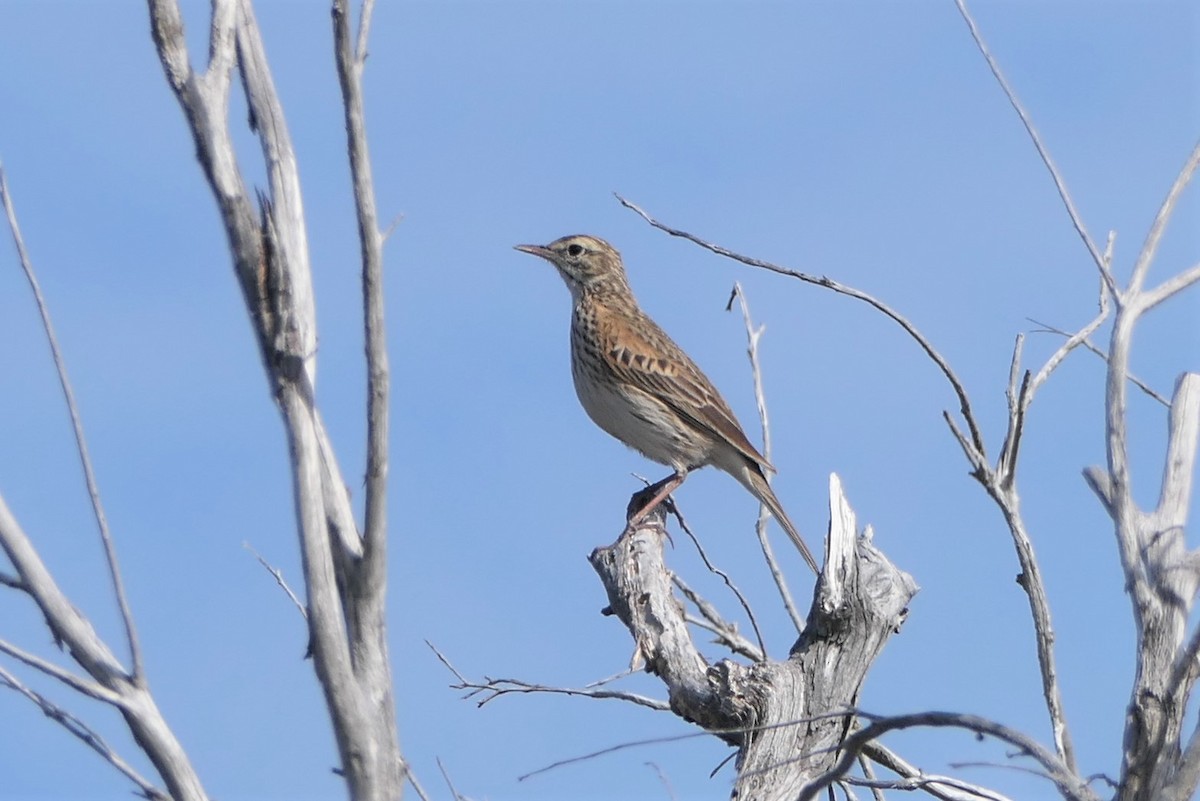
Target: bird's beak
(535,250)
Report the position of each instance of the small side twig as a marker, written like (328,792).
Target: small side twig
(411,778)
(760,527)
(491,689)
(713,621)
(673,508)
(454,794)
(277,574)
(1046,328)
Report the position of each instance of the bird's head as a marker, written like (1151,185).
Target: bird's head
(587,264)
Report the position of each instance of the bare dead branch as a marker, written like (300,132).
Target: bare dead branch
(111,683)
(268,242)
(935,785)
(1089,345)
(1059,183)
(979,467)
(996,482)
(868,771)
(1182,786)
(662,777)
(350,69)
(490,689)
(1161,575)
(411,778)
(454,794)
(1172,286)
(1000,484)
(614,749)
(760,528)
(277,574)
(1017,395)
(364,27)
(85,734)
(941,787)
(673,508)
(80,685)
(824,670)
(446,663)
(1183,430)
(1078,338)
(841,289)
(85,460)
(712,620)
(1154,235)
(1071,786)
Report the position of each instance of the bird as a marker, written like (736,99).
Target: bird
(637,385)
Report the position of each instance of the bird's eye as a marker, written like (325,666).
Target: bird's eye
(575,250)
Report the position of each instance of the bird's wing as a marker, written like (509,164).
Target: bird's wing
(646,358)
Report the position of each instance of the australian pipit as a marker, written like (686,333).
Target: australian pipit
(640,387)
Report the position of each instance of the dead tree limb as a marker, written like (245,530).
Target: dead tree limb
(344,569)
(786,717)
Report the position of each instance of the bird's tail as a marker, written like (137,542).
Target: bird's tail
(754,480)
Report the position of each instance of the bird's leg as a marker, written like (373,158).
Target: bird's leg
(661,490)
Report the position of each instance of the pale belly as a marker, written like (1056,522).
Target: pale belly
(641,422)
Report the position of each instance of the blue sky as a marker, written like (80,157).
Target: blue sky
(863,141)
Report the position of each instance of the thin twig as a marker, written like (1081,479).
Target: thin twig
(931,783)
(454,794)
(446,662)
(662,777)
(411,778)
(731,640)
(760,527)
(279,579)
(1081,336)
(483,693)
(673,508)
(1046,328)
(110,550)
(1041,774)
(713,621)
(823,281)
(494,688)
(1059,183)
(675,738)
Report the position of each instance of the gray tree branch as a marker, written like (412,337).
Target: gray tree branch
(771,711)
(344,573)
